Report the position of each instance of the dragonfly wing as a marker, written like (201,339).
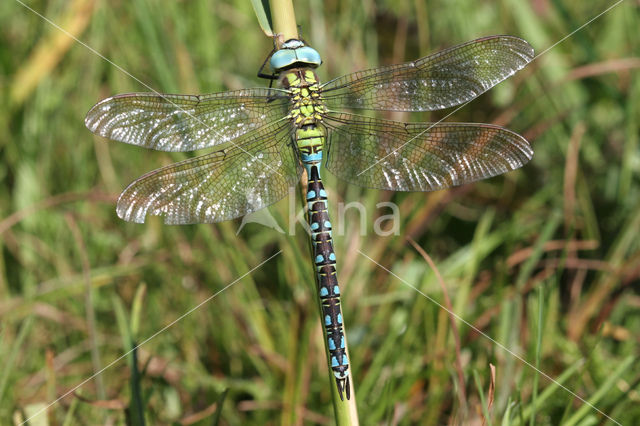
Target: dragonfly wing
(444,79)
(185,122)
(218,186)
(419,156)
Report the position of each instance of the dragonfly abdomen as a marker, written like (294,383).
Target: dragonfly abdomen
(326,275)
(306,112)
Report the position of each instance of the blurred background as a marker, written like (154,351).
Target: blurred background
(544,260)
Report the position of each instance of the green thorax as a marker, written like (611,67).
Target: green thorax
(306,109)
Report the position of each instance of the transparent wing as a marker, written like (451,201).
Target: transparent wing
(185,122)
(438,81)
(419,156)
(219,186)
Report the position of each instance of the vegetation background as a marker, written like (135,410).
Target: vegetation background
(544,260)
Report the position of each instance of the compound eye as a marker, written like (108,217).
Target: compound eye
(282,58)
(308,55)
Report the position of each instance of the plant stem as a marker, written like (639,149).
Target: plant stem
(284,20)
(345,410)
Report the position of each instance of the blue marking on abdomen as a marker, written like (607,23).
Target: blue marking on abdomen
(315,156)
(325,259)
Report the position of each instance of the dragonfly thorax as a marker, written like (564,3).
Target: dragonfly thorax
(307,106)
(306,112)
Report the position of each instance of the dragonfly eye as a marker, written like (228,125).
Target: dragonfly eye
(309,56)
(284,58)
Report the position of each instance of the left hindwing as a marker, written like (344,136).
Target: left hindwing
(254,173)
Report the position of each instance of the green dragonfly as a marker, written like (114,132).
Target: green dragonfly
(273,135)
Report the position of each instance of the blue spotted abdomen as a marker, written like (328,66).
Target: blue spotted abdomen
(306,111)
(325,263)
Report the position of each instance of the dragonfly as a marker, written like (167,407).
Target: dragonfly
(268,137)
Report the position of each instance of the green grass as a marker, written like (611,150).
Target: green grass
(544,260)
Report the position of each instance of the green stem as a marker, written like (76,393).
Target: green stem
(284,20)
(536,377)
(345,410)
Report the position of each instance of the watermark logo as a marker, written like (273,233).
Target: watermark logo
(263,217)
(386,222)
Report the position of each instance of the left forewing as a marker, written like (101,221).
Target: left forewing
(185,122)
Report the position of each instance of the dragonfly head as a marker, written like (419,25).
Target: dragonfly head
(294,53)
